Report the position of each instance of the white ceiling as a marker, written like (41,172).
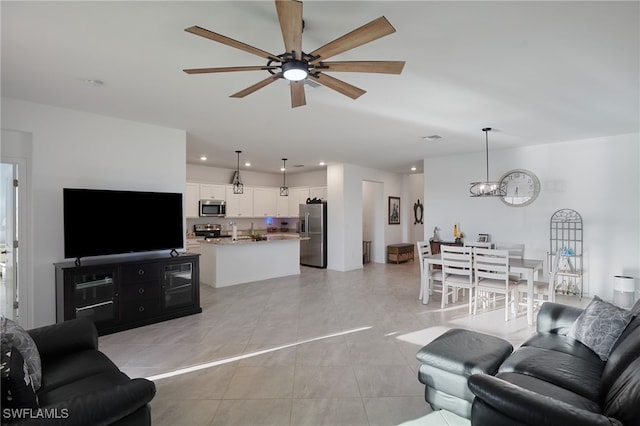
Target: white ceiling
(537,72)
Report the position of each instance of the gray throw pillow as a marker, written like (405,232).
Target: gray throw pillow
(599,326)
(21,340)
(17,388)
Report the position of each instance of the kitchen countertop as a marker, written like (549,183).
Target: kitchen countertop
(247,240)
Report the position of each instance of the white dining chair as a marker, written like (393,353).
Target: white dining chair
(457,272)
(427,275)
(543,291)
(481,244)
(516,251)
(491,274)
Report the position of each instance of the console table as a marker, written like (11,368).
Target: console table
(127,292)
(399,252)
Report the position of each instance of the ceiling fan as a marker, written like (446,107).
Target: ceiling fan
(296,65)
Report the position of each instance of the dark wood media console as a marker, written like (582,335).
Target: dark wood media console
(128,292)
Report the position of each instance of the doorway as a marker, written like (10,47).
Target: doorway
(16,289)
(9,258)
(373,219)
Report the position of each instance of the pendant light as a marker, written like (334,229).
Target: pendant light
(284,189)
(487,188)
(238,188)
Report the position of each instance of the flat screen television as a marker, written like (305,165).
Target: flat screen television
(101,222)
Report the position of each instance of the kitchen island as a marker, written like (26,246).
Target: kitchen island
(224,262)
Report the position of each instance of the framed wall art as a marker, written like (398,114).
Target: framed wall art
(394,210)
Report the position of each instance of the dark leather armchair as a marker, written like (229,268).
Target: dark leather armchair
(81,385)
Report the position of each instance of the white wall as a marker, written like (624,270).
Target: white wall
(78,149)
(599,178)
(373,219)
(344,190)
(313,178)
(208,174)
(415,191)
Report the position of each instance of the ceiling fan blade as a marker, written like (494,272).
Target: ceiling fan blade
(297,94)
(338,85)
(228,69)
(231,42)
(290,17)
(259,85)
(384,67)
(372,31)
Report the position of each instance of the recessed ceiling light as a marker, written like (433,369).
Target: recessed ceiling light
(432,137)
(247,164)
(414,168)
(282,169)
(203,158)
(322,163)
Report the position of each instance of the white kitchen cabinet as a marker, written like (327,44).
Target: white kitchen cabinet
(319,192)
(239,205)
(296,197)
(282,205)
(192,196)
(265,202)
(212,192)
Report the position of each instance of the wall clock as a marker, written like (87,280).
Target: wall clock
(522,187)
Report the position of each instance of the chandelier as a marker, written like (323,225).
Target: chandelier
(487,188)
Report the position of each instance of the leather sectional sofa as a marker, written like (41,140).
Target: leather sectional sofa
(554,379)
(79,384)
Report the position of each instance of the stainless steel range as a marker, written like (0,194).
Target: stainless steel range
(208,230)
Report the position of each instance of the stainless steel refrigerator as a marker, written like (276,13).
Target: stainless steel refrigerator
(313,234)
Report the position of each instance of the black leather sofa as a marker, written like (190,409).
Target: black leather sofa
(553,379)
(81,385)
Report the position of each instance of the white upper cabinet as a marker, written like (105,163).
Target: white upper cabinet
(254,202)
(296,197)
(212,192)
(239,205)
(192,195)
(282,208)
(265,202)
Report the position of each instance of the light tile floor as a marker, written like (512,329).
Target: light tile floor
(323,348)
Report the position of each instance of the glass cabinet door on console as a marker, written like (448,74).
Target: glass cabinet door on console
(178,286)
(95,295)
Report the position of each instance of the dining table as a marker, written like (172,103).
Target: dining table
(529,268)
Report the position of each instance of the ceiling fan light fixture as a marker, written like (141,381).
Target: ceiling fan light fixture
(295,70)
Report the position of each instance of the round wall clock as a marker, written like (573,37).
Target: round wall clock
(522,187)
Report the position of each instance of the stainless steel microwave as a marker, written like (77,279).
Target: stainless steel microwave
(216,208)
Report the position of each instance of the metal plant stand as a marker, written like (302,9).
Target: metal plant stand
(566,241)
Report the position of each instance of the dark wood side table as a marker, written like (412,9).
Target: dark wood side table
(399,252)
